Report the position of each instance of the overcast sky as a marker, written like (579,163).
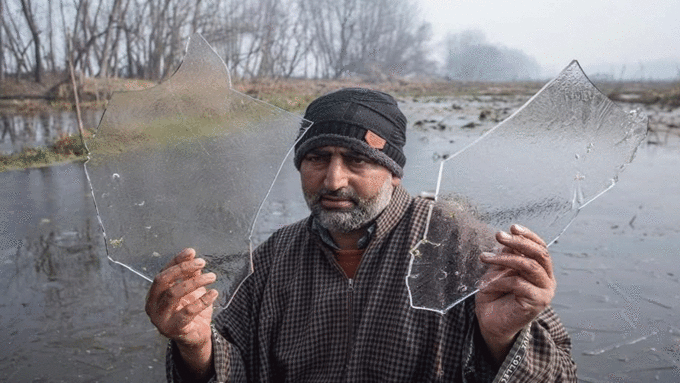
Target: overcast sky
(554,32)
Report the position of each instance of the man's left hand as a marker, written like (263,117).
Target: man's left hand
(519,285)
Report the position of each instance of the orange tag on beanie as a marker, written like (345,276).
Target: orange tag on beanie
(374,140)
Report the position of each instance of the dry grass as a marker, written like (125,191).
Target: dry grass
(66,149)
(663,93)
(25,96)
(296,94)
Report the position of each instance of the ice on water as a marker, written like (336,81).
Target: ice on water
(562,149)
(187,163)
(191,163)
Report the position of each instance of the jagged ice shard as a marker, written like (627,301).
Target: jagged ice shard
(562,149)
(187,163)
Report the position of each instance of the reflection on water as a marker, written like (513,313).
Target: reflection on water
(66,313)
(18,131)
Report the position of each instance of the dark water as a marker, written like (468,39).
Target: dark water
(67,314)
(619,276)
(18,131)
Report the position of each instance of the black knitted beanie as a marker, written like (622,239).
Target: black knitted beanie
(364,120)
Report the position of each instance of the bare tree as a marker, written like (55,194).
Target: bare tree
(280,41)
(391,41)
(223,29)
(49,56)
(334,25)
(2,43)
(109,37)
(256,38)
(15,45)
(294,42)
(35,33)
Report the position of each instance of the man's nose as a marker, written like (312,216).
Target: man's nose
(336,174)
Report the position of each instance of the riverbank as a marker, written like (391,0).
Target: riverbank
(65,150)
(25,99)
(56,91)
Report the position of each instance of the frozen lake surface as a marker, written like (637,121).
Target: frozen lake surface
(68,315)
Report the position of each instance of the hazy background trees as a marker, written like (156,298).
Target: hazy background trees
(257,38)
(471,58)
(377,39)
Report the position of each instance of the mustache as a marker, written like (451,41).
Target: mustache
(344,193)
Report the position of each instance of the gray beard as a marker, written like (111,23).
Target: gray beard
(365,210)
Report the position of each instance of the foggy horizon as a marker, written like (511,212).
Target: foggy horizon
(625,40)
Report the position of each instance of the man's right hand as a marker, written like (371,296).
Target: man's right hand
(180,306)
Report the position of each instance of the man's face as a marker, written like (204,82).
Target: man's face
(343,189)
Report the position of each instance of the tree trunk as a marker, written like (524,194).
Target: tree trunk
(105,60)
(2,50)
(51,63)
(30,20)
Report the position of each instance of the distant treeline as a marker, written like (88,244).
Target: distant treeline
(378,39)
(256,38)
(471,58)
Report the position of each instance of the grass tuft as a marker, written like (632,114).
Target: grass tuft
(66,149)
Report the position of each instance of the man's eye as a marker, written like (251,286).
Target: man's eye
(357,160)
(313,158)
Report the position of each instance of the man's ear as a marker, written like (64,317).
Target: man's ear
(395,180)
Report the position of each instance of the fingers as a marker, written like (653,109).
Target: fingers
(203,302)
(192,309)
(182,271)
(525,253)
(526,293)
(191,297)
(176,282)
(182,256)
(179,290)
(523,231)
(528,268)
(495,272)
(524,242)
(181,277)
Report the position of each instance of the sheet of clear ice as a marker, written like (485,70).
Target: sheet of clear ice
(187,163)
(562,149)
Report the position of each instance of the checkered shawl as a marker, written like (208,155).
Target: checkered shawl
(298,318)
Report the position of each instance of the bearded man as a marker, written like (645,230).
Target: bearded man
(328,300)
